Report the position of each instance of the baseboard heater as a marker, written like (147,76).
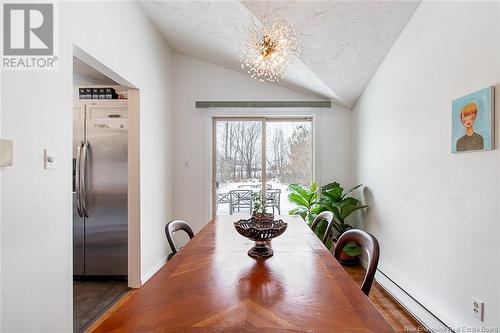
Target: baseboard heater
(262,104)
(430,321)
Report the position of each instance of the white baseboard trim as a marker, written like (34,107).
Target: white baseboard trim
(153,270)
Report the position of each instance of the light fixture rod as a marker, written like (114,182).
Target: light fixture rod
(263,104)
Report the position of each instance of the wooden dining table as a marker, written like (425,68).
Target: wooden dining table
(212,285)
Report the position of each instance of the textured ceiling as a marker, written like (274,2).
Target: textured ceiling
(343,43)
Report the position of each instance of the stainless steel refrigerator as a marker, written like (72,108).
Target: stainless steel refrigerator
(100,141)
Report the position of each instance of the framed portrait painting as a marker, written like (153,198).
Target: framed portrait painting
(472,125)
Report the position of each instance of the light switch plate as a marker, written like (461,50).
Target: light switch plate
(49,159)
(6,151)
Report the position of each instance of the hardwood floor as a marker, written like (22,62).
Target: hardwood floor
(393,312)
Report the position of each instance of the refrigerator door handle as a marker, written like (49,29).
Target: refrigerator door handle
(83,179)
(77,180)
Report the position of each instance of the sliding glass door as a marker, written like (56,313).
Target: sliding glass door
(249,165)
(288,159)
(238,164)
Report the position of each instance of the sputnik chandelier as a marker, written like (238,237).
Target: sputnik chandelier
(269,48)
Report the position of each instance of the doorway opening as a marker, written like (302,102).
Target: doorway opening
(257,158)
(105,184)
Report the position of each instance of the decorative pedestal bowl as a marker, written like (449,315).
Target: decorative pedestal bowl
(260,229)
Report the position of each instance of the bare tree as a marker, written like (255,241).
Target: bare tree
(246,140)
(277,155)
(225,147)
(299,156)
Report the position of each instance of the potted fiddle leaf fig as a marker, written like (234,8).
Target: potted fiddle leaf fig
(305,199)
(334,199)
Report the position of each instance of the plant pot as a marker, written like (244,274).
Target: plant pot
(348,260)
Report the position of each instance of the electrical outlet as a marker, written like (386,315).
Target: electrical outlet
(477,309)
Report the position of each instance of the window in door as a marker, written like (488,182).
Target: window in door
(248,164)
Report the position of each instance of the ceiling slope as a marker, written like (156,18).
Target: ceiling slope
(343,43)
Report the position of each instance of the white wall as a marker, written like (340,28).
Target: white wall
(1,172)
(36,204)
(436,214)
(198,80)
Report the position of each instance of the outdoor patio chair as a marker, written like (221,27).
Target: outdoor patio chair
(240,199)
(223,198)
(273,199)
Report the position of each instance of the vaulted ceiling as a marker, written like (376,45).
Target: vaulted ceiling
(343,42)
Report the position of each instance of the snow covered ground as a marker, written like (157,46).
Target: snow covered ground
(285,205)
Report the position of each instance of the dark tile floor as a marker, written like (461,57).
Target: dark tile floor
(93,298)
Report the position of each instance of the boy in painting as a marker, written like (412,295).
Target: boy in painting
(471,140)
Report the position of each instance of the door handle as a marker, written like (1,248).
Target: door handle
(83,178)
(77,180)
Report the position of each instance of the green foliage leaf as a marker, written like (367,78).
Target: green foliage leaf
(332,191)
(326,205)
(352,249)
(296,188)
(318,209)
(301,191)
(320,229)
(258,207)
(332,199)
(330,186)
(298,200)
(348,202)
(302,196)
(346,211)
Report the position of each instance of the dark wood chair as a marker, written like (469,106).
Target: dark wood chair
(323,216)
(171,228)
(370,244)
